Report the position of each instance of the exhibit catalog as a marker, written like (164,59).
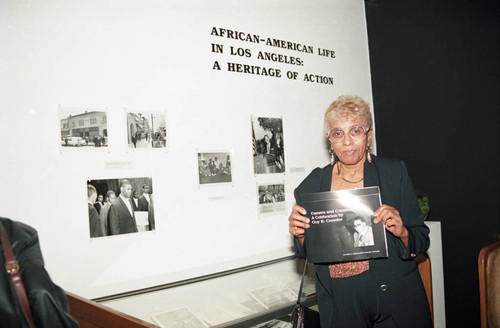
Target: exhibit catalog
(342,228)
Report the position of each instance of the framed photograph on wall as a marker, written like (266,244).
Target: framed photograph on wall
(120,206)
(267,145)
(146,129)
(83,128)
(271,198)
(214,167)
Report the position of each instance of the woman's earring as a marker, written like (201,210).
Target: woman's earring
(332,156)
(368,155)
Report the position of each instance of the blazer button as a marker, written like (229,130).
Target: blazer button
(383,287)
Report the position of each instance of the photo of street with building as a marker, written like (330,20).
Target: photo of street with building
(271,198)
(146,130)
(214,167)
(267,144)
(83,128)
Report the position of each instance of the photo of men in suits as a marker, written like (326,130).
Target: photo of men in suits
(121,213)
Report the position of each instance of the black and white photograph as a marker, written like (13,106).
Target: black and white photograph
(245,308)
(271,198)
(267,144)
(342,226)
(275,323)
(363,232)
(215,315)
(178,318)
(120,206)
(214,167)
(83,128)
(146,130)
(273,295)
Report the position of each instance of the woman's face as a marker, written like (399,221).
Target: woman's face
(350,151)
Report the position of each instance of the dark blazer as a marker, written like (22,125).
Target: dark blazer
(120,220)
(48,302)
(151,214)
(405,294)
(143,204)
(134,206)
(98,206)
(96,226)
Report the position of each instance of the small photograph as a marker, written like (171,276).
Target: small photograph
(271,198)
(83,128)
(363,232)
(146,130)
(120,206)
(179,318)
(214,316)
(267,144)
(275,323)
(273,295)
(246,308)
(214,167)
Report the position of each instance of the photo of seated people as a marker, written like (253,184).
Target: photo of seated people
(271,198)
(273,193)
(214,168)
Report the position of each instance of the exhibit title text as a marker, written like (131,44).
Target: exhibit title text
(266,50)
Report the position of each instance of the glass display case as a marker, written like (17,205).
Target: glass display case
(261,295)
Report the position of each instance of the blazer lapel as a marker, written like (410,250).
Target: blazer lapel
(134,223)
(326,179)
(371,178)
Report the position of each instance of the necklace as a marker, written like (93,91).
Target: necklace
(353,182)
(348,181)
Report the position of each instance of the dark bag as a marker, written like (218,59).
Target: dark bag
(13,270)
(302,316)
(45,300)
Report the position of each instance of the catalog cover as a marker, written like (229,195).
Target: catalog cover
(342,228)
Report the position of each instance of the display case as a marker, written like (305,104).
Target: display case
(262,295)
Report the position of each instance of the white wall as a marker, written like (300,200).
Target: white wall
(156,56)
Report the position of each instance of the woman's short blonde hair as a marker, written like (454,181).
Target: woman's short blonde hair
(348,108)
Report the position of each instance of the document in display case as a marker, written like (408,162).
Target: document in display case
(263,295)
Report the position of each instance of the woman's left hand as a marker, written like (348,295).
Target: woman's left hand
(392,220)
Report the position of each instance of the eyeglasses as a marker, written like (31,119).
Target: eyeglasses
(357,133)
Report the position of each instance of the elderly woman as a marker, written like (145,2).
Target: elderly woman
(371,293)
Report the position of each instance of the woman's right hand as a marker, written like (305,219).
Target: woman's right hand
(298,222)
